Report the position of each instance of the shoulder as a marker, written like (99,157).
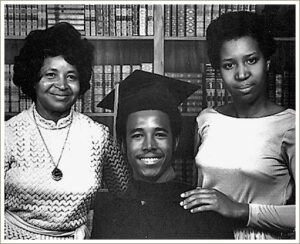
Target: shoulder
(86,123)
(284,120)
(204,114)
(19,121)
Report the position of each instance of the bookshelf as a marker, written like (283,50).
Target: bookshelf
(165,39)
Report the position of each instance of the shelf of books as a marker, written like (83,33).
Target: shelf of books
(166,39)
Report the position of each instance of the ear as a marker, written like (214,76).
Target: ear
(176,142)
(123,147)
(268,65)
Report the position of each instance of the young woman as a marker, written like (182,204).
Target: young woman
(246,149)
(54,156)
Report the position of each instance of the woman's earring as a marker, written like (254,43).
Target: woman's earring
(268,65)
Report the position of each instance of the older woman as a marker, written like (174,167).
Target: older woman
(54,156)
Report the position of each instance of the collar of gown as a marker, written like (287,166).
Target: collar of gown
(50,124)
(168,191)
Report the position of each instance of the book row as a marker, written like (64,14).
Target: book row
(89,20)
(193,20)
(116,19)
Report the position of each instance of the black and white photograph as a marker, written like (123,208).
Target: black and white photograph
(138,121)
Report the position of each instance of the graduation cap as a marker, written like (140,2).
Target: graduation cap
(144,90)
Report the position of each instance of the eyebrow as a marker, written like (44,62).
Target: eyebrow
(247,56)
(155,129)
(56,70)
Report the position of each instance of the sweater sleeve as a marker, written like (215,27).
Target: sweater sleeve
(115,169)
(279,217)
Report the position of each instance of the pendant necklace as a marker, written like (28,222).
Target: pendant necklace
(56,173)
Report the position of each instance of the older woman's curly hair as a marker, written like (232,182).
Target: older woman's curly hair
(234,25)
(61,39)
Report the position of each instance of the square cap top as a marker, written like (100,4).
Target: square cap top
(141,84)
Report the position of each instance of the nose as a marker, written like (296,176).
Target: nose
(242,72)
(61,82)
(149,143)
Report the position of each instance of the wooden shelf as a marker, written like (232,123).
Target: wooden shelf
(184,38)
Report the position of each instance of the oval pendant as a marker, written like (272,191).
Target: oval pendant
(57,174)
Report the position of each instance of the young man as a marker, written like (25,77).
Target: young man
(148,126)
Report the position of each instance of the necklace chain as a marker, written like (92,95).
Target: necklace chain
(63,147)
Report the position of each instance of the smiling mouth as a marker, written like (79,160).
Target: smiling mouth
(60,96)
(150,161)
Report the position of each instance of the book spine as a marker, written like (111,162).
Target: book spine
(5,20)
(99,20)
(135,20)
(23,20)
(17,20)
(112,20)
(116,74)
(28,19)
(136,67)
(147,67)
(167,20)
(285,88)
(118,20)
(10,12)
(93,20)
(190,20)
(98,87)
(215,11)
(34,16)
(142,20)
(126,70)
(129,21)
(174,20)
(181,20)
(123,20)
(87,20)
(105,20)
(7,88)
(278,88)
(222,9)
(208,16)
(150,20)
(200,20)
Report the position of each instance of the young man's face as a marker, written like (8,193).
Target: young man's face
(149,145)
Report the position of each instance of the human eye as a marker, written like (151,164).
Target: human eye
(50,75)
(252,60)
(136,135)
(227,65)
(161,134)
(72,77)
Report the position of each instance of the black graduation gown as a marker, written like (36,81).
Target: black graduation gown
(152,211)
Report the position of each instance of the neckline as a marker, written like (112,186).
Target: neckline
(264,117)
(50,124)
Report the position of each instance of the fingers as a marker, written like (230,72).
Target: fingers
(194,201)
(199,199)
(191,192)
(196,191)
(202,208)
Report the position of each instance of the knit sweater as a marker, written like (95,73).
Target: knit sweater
(30,191)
